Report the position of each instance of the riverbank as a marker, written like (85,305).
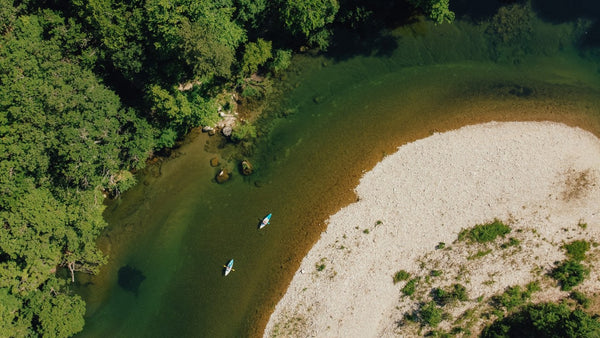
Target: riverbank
(538,177)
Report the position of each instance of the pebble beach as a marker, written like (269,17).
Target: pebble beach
(540,178)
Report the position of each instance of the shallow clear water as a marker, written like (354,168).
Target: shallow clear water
(179,228)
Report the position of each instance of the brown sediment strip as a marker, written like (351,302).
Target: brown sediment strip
(572,106)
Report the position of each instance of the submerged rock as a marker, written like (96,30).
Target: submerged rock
(222,176)
(247,168)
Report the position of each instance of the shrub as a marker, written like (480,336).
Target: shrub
(533,287)
(580,298)
(576,250)
(436,273)
(410,287)
(511,242)
(431,315)
(243,131)
(482,233)
(400,276)
(512,298)
(545,320)
(281,60)
(457,292)
(440,245)
(569,274)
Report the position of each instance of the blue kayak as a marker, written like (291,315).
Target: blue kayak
(228,267)
(265,221)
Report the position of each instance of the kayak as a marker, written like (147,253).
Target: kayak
(228,267)
(265,221)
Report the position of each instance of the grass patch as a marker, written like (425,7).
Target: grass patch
(400,276)
(479,254)
(576,250)
(440,245)
(483,233)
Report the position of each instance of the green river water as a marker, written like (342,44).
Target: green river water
(178,227)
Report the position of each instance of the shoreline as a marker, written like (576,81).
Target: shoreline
(509,172)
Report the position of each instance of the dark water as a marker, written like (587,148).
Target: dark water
(177,228)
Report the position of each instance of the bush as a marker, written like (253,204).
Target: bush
(580,298)
(511,242)
(431,315)
(410,286)
(436,273)
(576,250)
(400,276)
(533,287)
(457,292)
(483,233)
(512,298)
(569,274)
(281,61)
(545,320)
(243,132)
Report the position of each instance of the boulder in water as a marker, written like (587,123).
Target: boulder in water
(222,176)
(247,168)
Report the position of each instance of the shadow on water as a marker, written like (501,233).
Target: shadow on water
(130,279)
(557,12)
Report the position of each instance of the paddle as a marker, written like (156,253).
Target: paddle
(225,266)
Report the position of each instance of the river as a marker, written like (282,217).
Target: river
(177,228)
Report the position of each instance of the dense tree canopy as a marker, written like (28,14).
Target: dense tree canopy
(64,137)
(545,320)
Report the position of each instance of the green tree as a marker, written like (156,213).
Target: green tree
(309,19)
(438,10)
(55,314)
(8,15)
(119,27)
(255,54)
(250,12)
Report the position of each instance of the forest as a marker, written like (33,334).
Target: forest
(91,89)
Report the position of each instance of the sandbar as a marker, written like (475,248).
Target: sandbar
(541,178)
